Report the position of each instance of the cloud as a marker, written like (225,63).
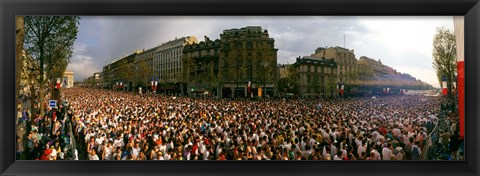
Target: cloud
(83,66)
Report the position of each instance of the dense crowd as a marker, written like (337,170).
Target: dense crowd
(113,125)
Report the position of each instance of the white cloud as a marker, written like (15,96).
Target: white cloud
(82,66)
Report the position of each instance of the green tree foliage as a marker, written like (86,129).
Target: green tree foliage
(445,55)
(49,39)
(143,74)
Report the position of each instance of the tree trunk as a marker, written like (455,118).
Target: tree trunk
(19,37)
(42,85)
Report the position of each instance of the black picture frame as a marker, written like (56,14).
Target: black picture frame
(10,8)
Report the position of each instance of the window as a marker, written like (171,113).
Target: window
(249,45)
(239,45)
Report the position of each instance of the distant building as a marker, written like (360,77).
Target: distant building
(315,77)
(167,63)
(283,70)
(248,55)
(120,71)
(344,58)
(68,79)
(143,68)
(376,67)
(201,71)
(224,67)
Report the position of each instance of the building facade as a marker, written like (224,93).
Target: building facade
(344,58)
(143,66)
(376,67)
(227,66)
(315,77)
(120,71)
(201,69)
(68,79)
(168,63)
(248,57)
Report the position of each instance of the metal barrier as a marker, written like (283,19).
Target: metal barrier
(429,142)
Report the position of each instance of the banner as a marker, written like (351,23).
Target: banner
(58,83)
(459,27)
(444,88)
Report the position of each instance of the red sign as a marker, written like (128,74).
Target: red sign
(461,96)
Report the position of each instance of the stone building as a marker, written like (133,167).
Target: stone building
(315,77)
(248,55)
(120,71)
(224,67)
(344,58)
(167,63)
(143,66)
(201,71)
(375,66)
(68,79)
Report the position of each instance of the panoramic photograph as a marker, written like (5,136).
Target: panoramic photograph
(239,88)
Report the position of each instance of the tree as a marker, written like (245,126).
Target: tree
(364,73)
(144,74)
(444,56)
(19,39)
(49,39)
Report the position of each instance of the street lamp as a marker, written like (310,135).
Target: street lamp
(454,86)
(32,93)
(265,65)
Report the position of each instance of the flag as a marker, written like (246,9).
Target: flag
(58,83)
(444,85)
(459,26)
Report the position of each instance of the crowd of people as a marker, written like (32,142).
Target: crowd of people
(115,125)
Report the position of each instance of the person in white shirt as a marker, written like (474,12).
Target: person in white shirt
(136,150)
(376,155)
(337,156)
(362,148)
(387,152)
(93,155)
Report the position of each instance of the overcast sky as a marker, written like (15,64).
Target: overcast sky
(404,43)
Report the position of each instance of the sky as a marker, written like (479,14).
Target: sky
(401,42)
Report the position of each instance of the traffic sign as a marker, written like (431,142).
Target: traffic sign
(53,103)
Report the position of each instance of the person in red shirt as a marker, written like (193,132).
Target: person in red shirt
(45,154)
(382,130)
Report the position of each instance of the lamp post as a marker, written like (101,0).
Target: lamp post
(235,94)
(265,65)
(32,93)
(454,91)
